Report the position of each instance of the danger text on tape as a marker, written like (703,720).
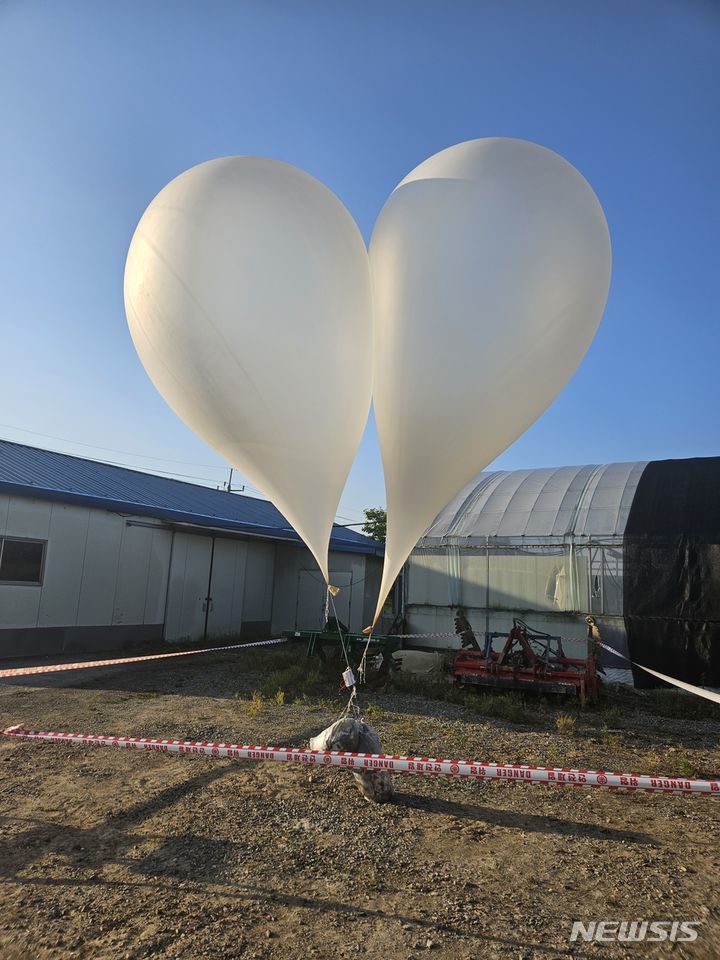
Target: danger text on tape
(422,766)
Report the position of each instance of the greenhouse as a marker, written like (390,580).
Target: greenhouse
(632,544)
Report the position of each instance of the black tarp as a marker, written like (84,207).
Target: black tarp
(671,578)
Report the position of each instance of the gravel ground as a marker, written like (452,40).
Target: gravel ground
(121,855)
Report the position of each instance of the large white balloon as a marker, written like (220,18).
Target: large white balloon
(247,292)
(491,265)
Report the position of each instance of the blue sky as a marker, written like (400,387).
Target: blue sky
(102,103)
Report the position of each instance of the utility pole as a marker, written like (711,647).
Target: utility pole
(229,487)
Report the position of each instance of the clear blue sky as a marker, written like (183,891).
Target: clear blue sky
(102,103)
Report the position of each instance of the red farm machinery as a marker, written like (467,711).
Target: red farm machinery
(529,660)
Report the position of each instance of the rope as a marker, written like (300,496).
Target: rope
(120,661)
(680,684)
(363,659)
(352,705)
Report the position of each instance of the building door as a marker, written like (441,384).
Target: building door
(188,587)
(227,587)
(311,598)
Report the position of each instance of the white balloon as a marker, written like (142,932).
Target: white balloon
(247,292)
(491,266)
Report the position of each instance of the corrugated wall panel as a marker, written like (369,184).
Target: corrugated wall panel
(28,518)
(228,580)
(100,567)
(63,566)
(239,574)
(259,576)
(188,587)
(154,611)
(141,575)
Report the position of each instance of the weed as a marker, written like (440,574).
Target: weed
(279,697)
(612,714)
(504,706)
(254,706)
(684,766)
(680,705)
(610,738)
(373,713)
(461,742)
(292,679)
(565,724)
(405,736)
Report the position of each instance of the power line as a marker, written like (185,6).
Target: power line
(127,453)
(142,456)
(151,470)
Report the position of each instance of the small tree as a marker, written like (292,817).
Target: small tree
(375,525)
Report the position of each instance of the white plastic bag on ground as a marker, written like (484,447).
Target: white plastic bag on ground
(352,735)
(418,661)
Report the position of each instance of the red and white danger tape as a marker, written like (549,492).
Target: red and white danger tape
(424,766)
(712,695)
(85,664)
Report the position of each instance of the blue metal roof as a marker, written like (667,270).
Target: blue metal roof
(47,475)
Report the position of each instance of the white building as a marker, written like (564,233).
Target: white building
(94,557)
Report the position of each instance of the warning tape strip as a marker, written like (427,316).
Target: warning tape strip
(425,766)
(698,691)
(85,664)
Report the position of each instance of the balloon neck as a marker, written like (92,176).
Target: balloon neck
(368,630)
(333,591)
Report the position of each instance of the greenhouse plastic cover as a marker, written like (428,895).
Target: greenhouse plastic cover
(588,500)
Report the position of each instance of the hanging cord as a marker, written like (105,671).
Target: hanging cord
(363,659)
(352,705)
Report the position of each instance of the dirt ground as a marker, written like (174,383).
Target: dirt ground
(115,854)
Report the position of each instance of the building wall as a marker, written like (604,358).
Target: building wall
(103,581)
(552,587)
(110,580)
(299,595)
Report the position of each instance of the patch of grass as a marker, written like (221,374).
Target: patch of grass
(427,685)
(407,731)
(610,738)
(459,745)
(677,704)
(261,659)
(279,698)
(684,766)
(147,695)
(319,703)
(553,756)
(612,714)
(293,680)
(504,706)
(565,724)
(373,713)
(254,706)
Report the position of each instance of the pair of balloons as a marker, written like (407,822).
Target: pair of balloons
(267,326)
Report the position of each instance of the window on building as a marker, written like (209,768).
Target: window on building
(21,561)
